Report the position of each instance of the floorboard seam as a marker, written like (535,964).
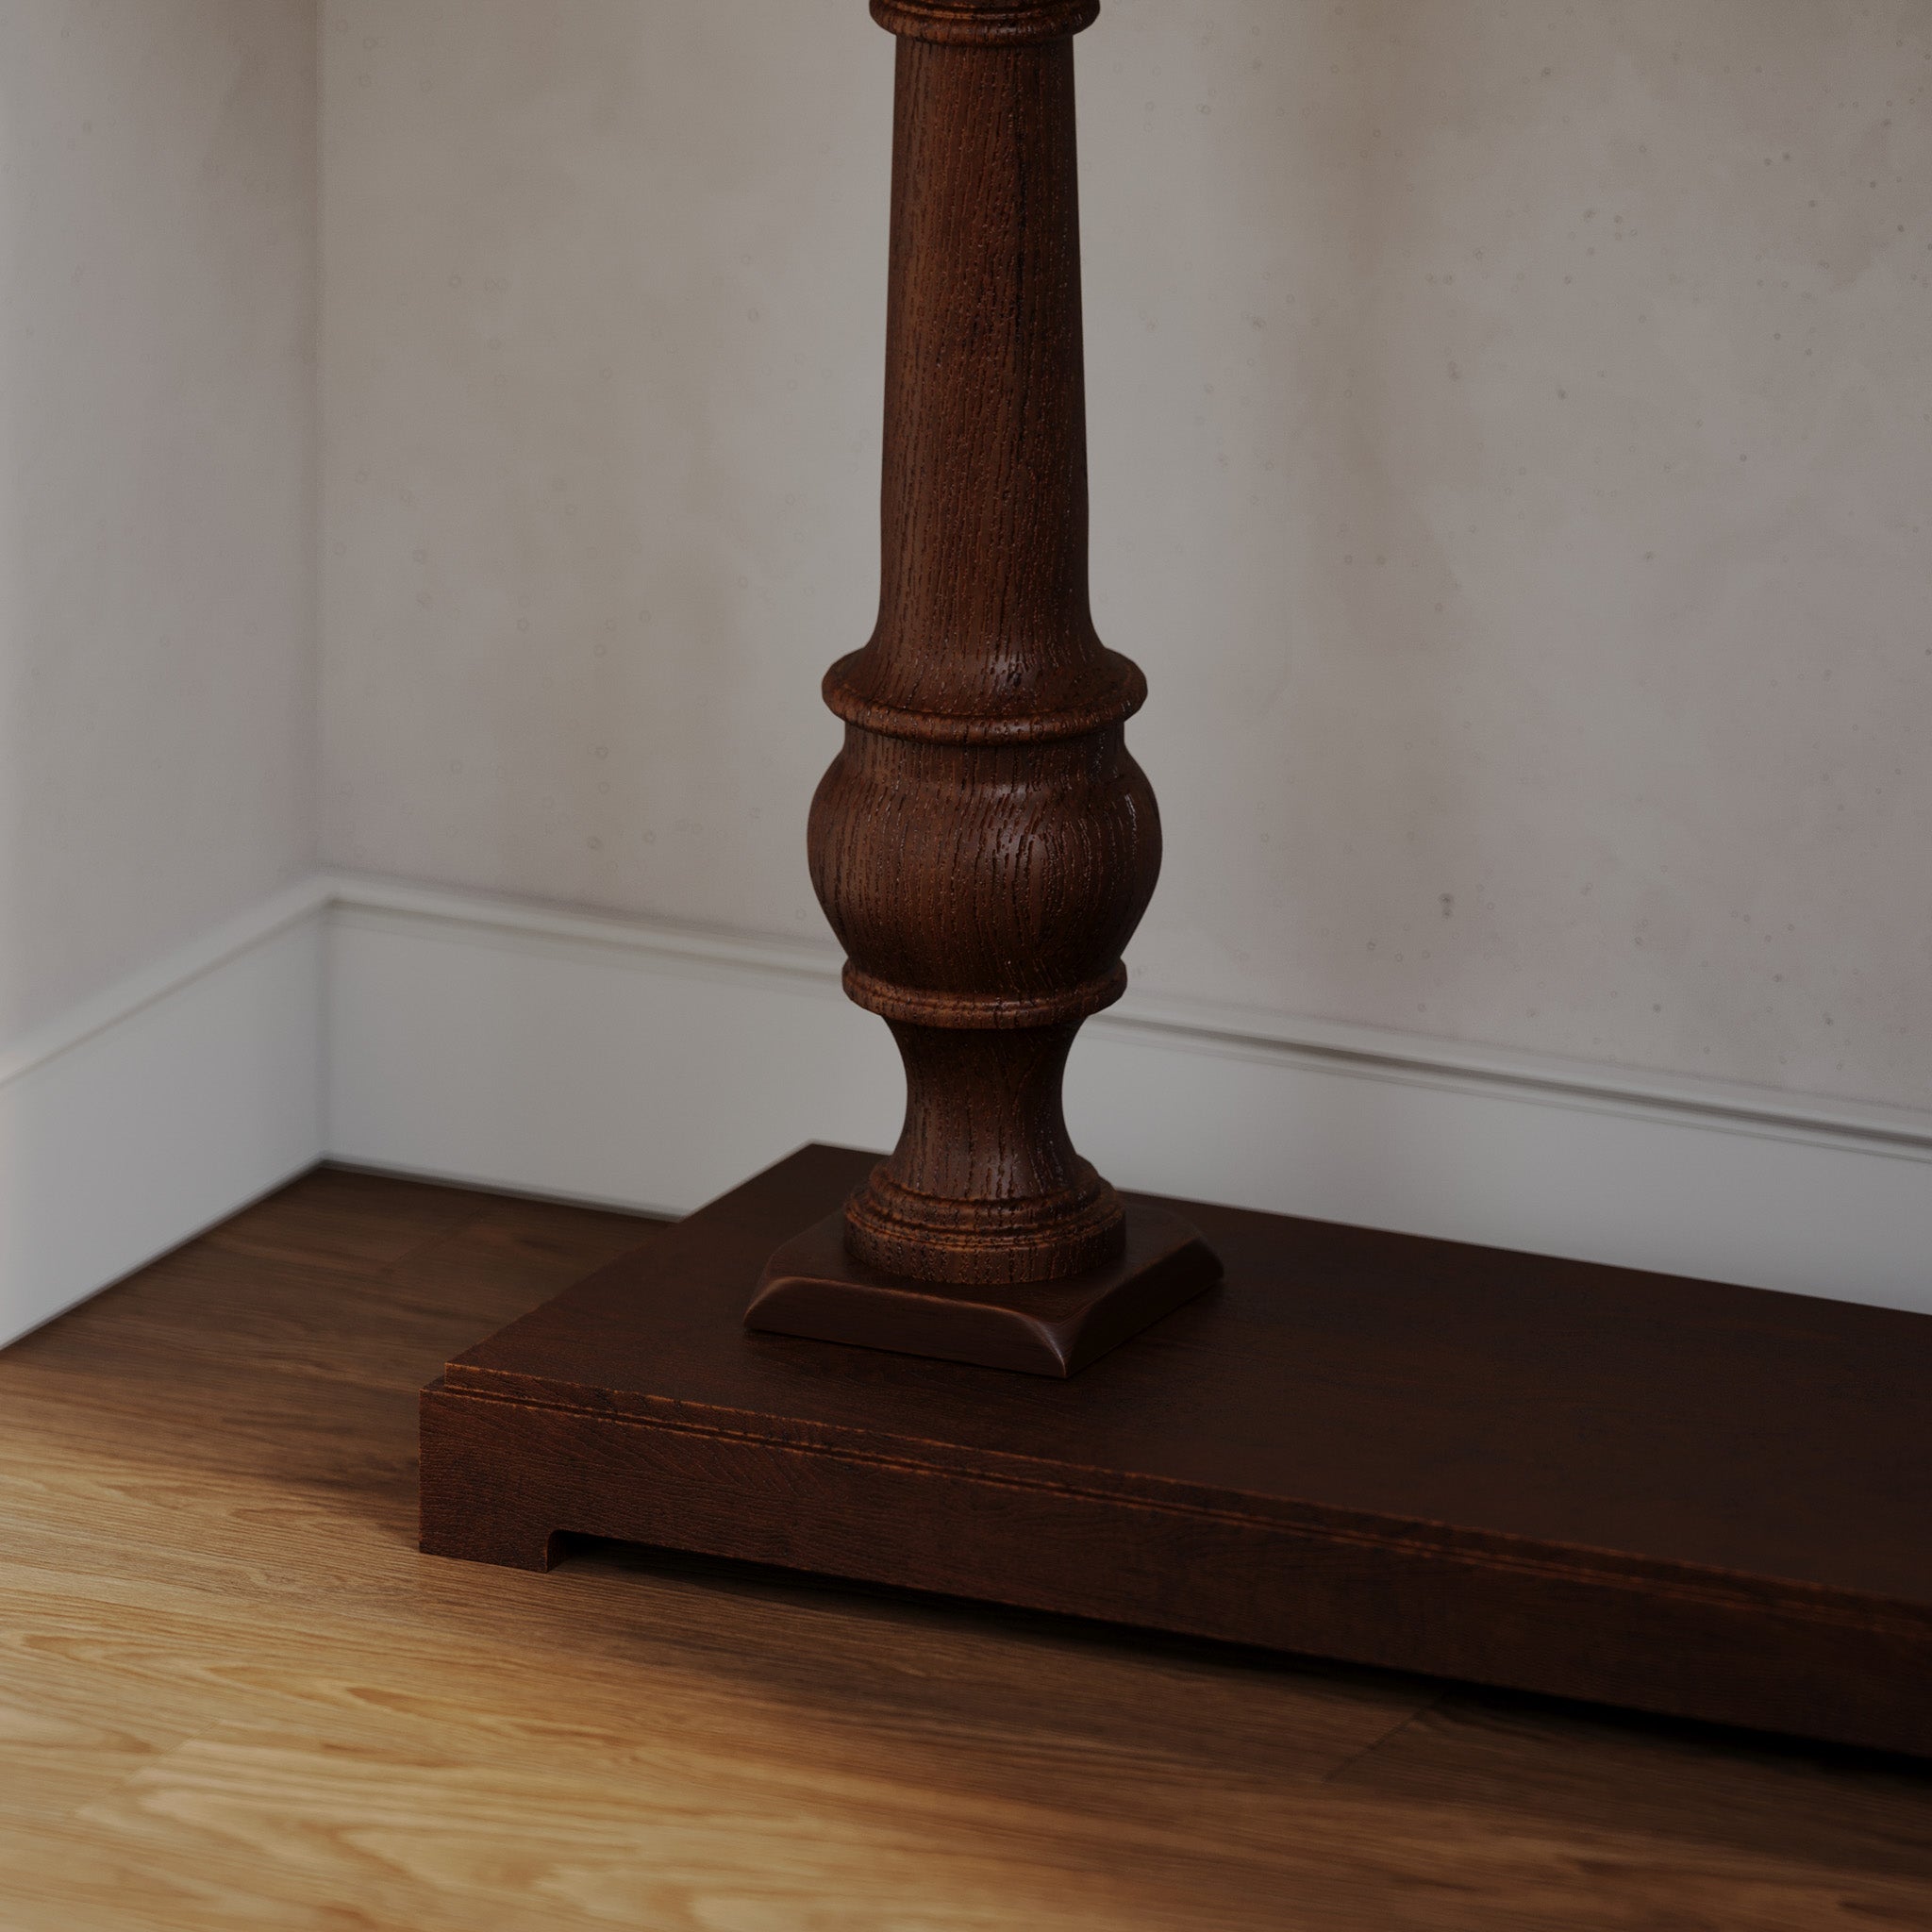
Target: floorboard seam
(1368,1749)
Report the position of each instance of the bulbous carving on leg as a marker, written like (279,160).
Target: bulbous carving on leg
(983,894)
(984,844)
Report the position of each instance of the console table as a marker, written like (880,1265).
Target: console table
(974,1367)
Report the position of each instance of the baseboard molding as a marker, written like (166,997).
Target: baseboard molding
(641,1065)
(469,1038)
(161,1106)
(618,1062)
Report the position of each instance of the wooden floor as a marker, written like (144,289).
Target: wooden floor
(233,1695)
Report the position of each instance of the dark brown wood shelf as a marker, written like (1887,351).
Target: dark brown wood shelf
(1679,1496)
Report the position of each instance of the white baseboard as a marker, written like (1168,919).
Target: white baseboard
(161,1106)
(495,1042)
(599,1059)
(475,1039)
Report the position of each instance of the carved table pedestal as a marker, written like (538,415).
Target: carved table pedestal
(973,1367)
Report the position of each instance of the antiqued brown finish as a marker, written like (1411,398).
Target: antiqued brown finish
(812,1286)
(984,844)
(985,23)
(1694,1499)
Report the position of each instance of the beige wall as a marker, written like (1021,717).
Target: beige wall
(1513,448)
(156,301)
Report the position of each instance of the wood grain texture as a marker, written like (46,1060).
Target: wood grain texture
(1668,1494)
(812,1286)
(984,22)
(984,845)
(234,1698)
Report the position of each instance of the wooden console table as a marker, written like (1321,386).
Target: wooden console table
(1702,1500)
(974,1367)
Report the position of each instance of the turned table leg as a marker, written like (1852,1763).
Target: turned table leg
(984,844)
